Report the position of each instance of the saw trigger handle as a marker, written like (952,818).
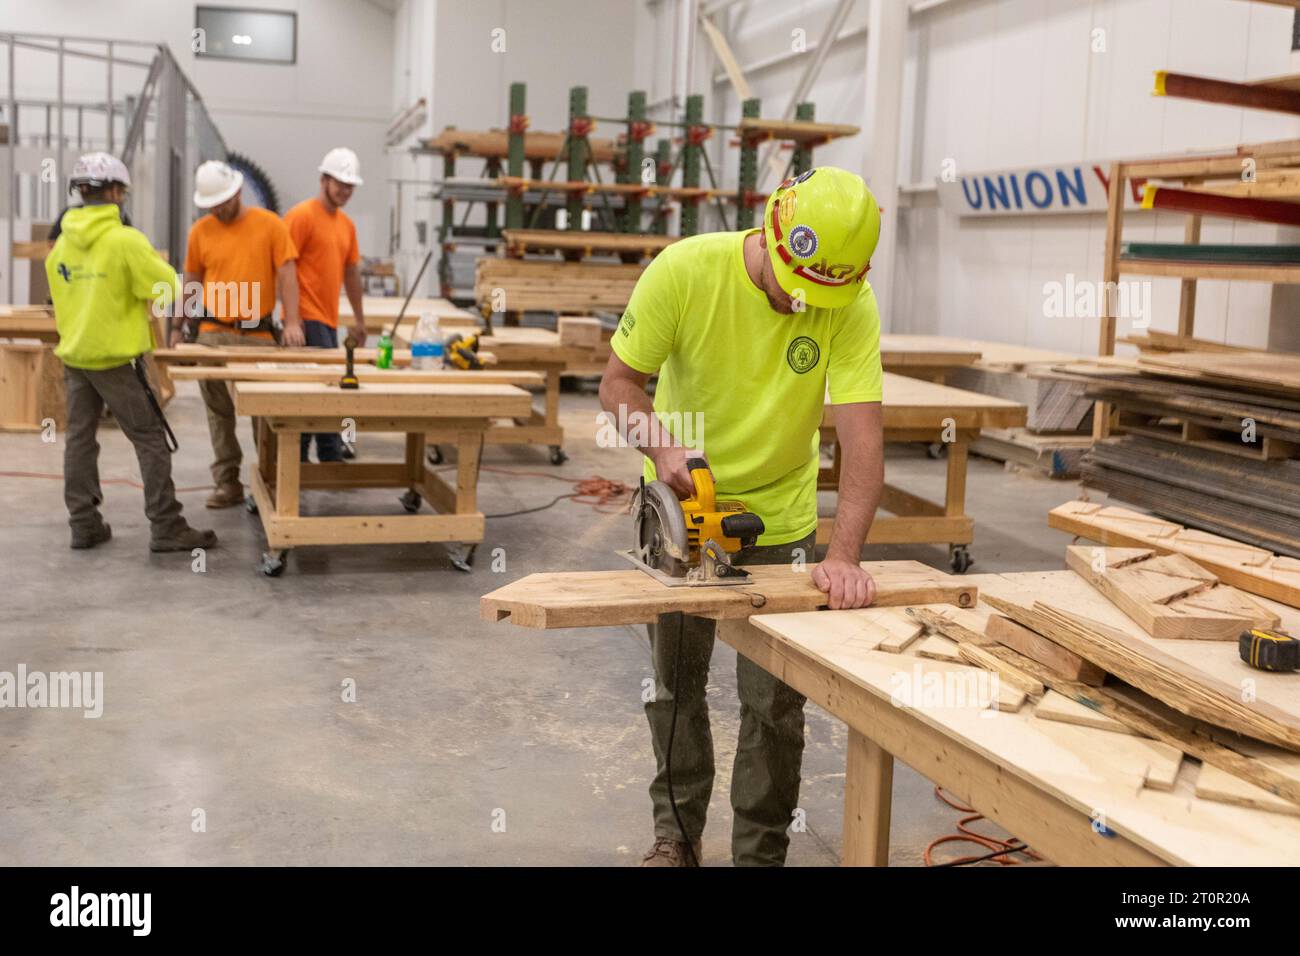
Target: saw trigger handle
(746,526)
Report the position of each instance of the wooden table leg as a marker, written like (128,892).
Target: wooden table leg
(868,799)
(954,502)
(287,473)
(469,452)
(415,442)
(553,395)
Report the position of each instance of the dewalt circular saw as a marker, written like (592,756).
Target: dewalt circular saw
(690,543)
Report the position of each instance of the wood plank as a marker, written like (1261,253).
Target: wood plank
(1024,641)
(291,399)
(936,647)
(1186,688)
(1215,784)
(1055,706)
(1017,678)
(1243,566)
(1169,600)
(605,598)
(330,374)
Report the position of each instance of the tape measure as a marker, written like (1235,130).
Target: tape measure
(1269,650)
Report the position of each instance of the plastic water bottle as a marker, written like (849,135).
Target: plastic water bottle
(426,346)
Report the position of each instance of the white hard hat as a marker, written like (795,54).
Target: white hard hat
(214,183)
(99,169)
(341,163)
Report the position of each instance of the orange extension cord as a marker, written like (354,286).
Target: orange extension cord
(964,834)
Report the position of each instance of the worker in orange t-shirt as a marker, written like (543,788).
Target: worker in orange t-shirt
(240,256)
(327,261)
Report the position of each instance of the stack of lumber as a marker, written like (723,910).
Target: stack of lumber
(1056,434)
(574,243)
(1153,654)
(495,144)
(1209,436)
(535,285)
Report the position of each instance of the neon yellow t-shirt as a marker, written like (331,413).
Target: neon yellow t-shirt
(753,381)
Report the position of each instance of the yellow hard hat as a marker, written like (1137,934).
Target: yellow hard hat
(821,228)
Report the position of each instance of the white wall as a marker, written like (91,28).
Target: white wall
(1009,83)
(284,117)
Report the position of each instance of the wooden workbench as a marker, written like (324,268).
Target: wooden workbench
(284,411)
(1055,786)
(1045,782)
(925,356)
(920,411)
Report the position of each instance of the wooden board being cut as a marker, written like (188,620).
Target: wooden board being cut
(1170,595)
(606,598)
(1241,565)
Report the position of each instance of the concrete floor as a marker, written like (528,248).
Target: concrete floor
(223,689)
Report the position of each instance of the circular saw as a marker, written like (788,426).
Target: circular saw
(691,542)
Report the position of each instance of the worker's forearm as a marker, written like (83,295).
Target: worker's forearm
(352,285)
(628,405)
(862,480)
(287,279)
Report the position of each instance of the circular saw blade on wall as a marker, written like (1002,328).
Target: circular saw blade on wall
(258,188)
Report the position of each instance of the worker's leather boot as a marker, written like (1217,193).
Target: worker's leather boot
(226,496)
(185,540)
(81,541)
(666,852)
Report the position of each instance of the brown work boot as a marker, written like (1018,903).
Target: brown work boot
(226,496)
(88,539)
(187,539)
(667,852)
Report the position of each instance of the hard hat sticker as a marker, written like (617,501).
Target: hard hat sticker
(786,207)
(803,242)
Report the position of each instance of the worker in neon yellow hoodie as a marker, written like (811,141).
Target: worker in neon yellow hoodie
(103,276)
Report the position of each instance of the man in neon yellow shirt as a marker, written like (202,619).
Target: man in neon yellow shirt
(103,276)
(748,332)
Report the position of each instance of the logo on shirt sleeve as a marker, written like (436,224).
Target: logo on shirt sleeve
(626,324)
(803,354)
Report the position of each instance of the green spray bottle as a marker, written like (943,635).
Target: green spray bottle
(385,357)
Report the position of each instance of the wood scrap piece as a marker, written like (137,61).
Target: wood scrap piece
(1162,771)
(1065,710)
(1222,787)
(902,631)
(1169,596)
(1161,722)
(608,598)
(1024,641)
(936,647)
(1009,673)
(957,623)
(1182,686)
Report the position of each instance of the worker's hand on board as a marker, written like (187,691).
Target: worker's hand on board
(846,583)
(670,467)
(293,335)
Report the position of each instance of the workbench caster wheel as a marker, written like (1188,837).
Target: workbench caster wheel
(936,449)
(959,559)
(411,501)
(462,558)
(558,457)
(250,504)
(349,451)
(434,455)
(273,563)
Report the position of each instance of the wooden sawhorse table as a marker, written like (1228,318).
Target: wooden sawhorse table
(284,411)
